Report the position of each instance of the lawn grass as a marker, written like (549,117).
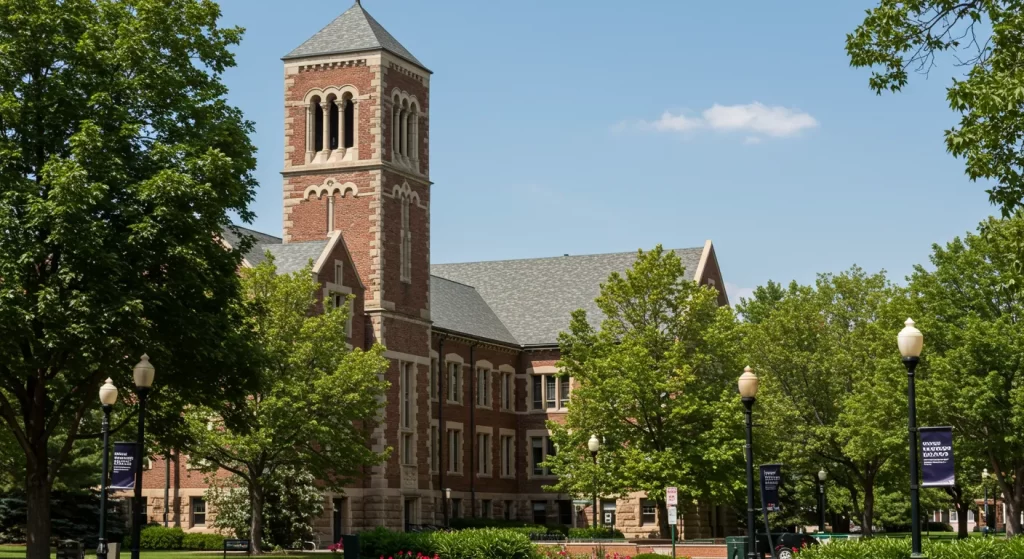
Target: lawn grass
(18,552)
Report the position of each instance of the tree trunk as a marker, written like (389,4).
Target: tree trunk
(256,498)
(869,509)
(1012,519)
(961,521)
(663,520)
(37,501)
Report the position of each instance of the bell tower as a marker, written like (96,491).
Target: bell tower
(356,161)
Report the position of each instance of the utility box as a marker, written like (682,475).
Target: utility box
(351,543)
(70,549)
(736,547)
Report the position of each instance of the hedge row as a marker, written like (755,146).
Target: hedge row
(485,543)
(882,548)
(599,533)
(517,525)
(160,538)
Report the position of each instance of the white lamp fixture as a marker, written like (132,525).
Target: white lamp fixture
(748,383)
(910,340)
(822,475)
(448,493)
(984,474)
(108,393)
(594,444)
(144,373)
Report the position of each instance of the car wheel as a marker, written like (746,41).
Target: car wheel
(785,554)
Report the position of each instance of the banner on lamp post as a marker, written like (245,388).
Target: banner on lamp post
(771,476)
(937,457)
(122,475)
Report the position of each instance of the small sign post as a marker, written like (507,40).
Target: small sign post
(672,500)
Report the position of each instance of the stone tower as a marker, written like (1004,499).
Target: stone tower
(357,161)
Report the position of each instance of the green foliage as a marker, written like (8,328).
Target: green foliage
(206,542)
(518,526)
(292,501)
(599,533)
(73,515)
(899,36)
(485,543)
(893,548)
(656,382)
(158,537)
(832,385)
(121,162)
(312,406)
(654,556)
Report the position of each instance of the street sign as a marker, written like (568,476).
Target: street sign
(671,496)
(672,515)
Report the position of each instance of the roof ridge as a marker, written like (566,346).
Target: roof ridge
(554,257)
(473,287)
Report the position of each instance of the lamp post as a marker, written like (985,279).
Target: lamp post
(911,341)
(143,375)
(108,396)
(984,486)
(593,445)
(447,499)
(822,476)
(748,394)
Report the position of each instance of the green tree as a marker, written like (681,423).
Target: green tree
(832,383)
(985,36)
(313,401)
(975,351)
(120,161)
(657,382)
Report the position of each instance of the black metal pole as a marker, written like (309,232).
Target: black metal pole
(139,515)
(915,513)
(101,548)
(167,487)
(748,404)
(986,508)
(821,505)
(594,456)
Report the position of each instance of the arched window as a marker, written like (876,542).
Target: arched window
(317,130)
(406,250)
(396,118)
(403,127)
(349,110)
(332,112)
(414,132)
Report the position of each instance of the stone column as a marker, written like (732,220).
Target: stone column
(340,108)
(310,133)
(326,107)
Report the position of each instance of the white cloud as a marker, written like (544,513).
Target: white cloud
(735,292)
(755,119)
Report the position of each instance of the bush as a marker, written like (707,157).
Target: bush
(599,533)
(892,548)
(483,543)
(649,556)
(158,537)
(382,542)
(207,542)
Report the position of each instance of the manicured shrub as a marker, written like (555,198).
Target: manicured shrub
(484,543)
(206,542)
(382,542)
(599,533)
(893,548)
(649,556)
(158,537)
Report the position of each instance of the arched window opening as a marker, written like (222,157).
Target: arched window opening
(403,140)
(396,129)
(318,125)
(350,122)
(406,249)
(332,111)
(414,120)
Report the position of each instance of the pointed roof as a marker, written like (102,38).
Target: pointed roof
(353,31)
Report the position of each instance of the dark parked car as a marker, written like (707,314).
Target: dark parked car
(787,545)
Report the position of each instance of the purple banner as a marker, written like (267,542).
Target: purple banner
(122,475)
(937,457)
(771,477)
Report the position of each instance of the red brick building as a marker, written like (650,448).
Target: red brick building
(472,346)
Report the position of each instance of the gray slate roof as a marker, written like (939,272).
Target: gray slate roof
(460,308)
(534,298)
(232,235)
(353,31)
(288,258)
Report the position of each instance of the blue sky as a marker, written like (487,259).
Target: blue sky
(588,126)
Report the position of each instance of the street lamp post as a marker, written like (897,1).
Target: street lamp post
(108,396)
(911,341)
(143,376)
(984,486)
(447,499)
(822,476)
(593,445)
(748,394)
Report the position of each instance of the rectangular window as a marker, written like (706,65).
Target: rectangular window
(508,510)
(454,386)
(565,513)
(563,392)
(538,392)
(433,448)
(954,516)
(337,273)
(406,252)
(537,455)
(506,391)
(198,511)
(407,452)
(433,379)
(406,395)
(540,513)
(483,387)
(456,508)
(483,453)
(648,512)
(485,508)
(507,454)
(454,442)
(549,391)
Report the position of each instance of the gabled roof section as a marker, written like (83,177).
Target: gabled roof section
(535,298)
(232,235)
(288,257)
(353,31)
(459,308)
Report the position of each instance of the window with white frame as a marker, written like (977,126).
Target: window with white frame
(406,396)
(483,387)
(648,512)
(408,455)
(455,383)
(433,378)
(508,455)
(434,450)
(506,390)
(541,448)
(483,454)
(550,391)
(198,511)
(339,274)
(454,451)
(406,250)
(953,516)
